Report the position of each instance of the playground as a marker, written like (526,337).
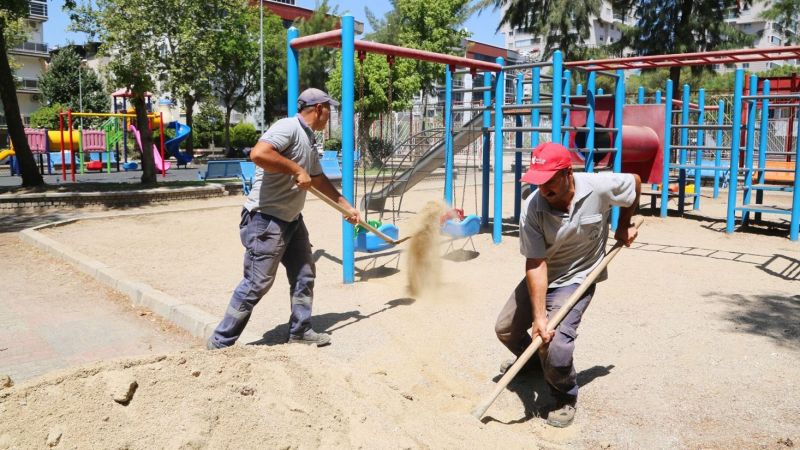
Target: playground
(692,342)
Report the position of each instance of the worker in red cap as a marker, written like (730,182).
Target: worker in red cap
(563,233)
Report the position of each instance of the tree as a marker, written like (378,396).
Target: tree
(786,15)
(385,30)
(373,74)
(432,25)
(47,116)
(11,15)
(131,40)
(566,24)
(60,84)
(235,81)
(315,62)
(207,125)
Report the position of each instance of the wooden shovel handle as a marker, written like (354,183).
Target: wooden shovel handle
(345,212)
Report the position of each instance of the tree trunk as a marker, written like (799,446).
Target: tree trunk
(228,110)
(16,129)
(684,34)
(675,76)
(363,142)
(188,102)
(143,124)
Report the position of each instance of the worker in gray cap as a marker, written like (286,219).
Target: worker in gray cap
(271,226)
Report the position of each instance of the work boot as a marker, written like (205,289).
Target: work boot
(211,345)
(311,337)
(531,366)
(564,412)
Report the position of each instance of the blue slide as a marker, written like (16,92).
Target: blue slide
(173,145)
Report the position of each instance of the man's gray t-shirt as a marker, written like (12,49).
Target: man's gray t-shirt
(574,242)
(276,194)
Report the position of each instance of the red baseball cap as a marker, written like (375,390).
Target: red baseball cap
(546,160)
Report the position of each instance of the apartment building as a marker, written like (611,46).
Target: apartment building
(605,30)
(32,57)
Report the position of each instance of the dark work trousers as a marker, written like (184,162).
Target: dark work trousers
(269,242)
(516,319)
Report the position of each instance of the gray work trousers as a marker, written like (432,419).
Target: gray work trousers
(516,318)
(268,242)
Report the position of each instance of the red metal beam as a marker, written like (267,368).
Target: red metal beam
(690,59)
(326,39)
(334,39)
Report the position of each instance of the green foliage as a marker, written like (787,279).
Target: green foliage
(208,123)
(385,30)
(243,135)
(786,15)
(316,62)
(62,85)
(565,23)
(432,25)
(47,116)
(235,80)
(12,24)
(379,150)
(333,143)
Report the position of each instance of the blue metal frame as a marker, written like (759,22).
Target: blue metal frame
(567,93)
(590,103)
(718,152)
(487,119)
(292,73)
(667,150)
(499,101)
(555,109)
(752,111)
(448,136)
(762,143)
(518,154)
(619,109)
(736,129)
(348,140)
(698,155)
(682,150)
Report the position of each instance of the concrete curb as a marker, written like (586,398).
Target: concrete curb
(112,198)
(189,317)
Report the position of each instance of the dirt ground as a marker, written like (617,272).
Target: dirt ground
(693,342)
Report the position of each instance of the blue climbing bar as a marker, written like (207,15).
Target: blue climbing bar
(348,141)
(499,101)
(667,150)
(735,132)
(448,136)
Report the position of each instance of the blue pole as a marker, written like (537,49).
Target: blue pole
(555,109)
(499,100)
(567,93)
(578,89)
(292,72)
(794,225)
(718,152)
(736,129)
(518,154)
(619,106)
(535,98)
(600,91)
(448,136)
(348,140)
(749,146)
(487,100)
(684,142)
(667,148)
(762,144)
(698,157)
(590,103)
(640,98)
(658,96)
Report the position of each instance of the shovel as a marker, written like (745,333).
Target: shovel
(512,371)
(345,212)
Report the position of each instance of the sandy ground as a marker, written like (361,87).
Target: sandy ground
(693,342)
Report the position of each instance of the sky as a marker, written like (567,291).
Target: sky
(482,26)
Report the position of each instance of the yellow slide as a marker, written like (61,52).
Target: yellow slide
(5,154)
(55,139)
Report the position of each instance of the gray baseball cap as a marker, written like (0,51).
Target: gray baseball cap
(314,96)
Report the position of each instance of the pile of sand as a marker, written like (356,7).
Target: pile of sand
(248,397)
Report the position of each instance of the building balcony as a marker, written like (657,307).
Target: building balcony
(30,48)
(28,85)
(37,10)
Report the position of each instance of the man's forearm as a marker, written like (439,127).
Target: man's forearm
(536,276)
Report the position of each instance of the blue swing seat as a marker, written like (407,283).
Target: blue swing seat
(368,242)
(471,225)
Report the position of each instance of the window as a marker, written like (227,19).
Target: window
(745,65)
(523,43)
(775,40)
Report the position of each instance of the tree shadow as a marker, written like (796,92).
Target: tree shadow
(328,322)
(533,391)
(773,316)
(14,222)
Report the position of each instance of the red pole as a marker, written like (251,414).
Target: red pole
(161,133)
(61,130)
(71,145)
